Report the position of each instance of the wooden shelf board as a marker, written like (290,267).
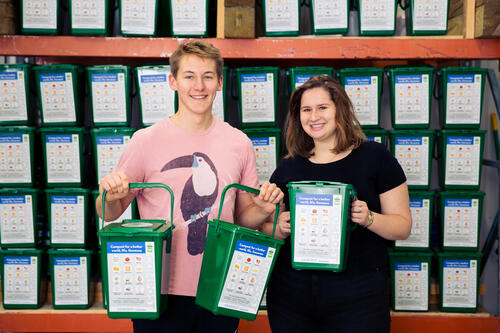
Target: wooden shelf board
(308,47)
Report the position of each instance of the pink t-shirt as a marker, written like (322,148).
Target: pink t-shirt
(197,167)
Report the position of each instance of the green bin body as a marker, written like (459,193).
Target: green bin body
(89,17)
(258,91)
(414,149)
(14,95)
(462,154)
(188,18)
(156,98)
(299,75)
(266,144)
(18,214)
(424,18)
(461,213)
(139,18)
(329,17)
(23,282)
(70,278)
(40,17)
(281,18)
(236,267)
(459,281)
(411,96)
(320,230)
(410,280)
(462,96)
(377,135)
(422,208)
(17,156)
(58,94)
(64,158)
(108,146)
(363,85)
(67,212)
(377,18)
(109,88)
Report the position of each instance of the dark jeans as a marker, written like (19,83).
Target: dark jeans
(314,301)
(184,316)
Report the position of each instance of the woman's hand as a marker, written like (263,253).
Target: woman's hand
(283,227)
(360,212)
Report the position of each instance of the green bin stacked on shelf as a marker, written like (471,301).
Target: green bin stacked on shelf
(329,17)
(266,143)
(377,18)
(426,18)
(14,93)
(139,18)
(189,18)
(281,18)
(40,17)
(90,17)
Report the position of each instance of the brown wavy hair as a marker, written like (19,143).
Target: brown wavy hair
(349,134)
(198,48)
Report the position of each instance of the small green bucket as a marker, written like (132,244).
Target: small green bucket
(236,266)
(320,212)
(132,254)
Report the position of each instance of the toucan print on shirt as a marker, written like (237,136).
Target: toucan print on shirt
(199,194)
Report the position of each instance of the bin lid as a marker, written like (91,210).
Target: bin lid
(318,184)
(234,228)
(21,251)
(69,252)
(130,228)
(460,255)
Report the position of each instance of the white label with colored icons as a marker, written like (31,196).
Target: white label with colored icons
(317,228)
(20,280)
(281,15)
(131,276)
(377,15)
(411,286)
(40,14)
(421,218)
(88,14)
(109,97)
(265,156)
(13,96)
(430,15)
(463,99)
(258,98)
(188,17)
(63,158)
(70,280)
(138,17)
(363,92)
(411,94)
(58,103)
(247,276)
(459,283)
(67,219)
(17,221)
(412,154)
(157,98)
(462,160)
(15,158)
(109,150)
(461,221)
(330,14)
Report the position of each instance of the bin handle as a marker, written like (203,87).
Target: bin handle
(250,190)
(146,185)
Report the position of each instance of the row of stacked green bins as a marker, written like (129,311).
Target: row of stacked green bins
(192,18)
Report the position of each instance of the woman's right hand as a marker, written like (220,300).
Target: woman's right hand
(116,185)
(283,228)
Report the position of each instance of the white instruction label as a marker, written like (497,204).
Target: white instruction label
(463,99)
(281,15)
(109,98)
(67,219)
(20,280)
(39,14)
(265,156)
(363,92)
(430,15)
(257,98)
(15,158)
(411,99)
(157,98)
(13,96)
(63,158)
(138,17)
(462,160)
(58,103)
(411,286)
(70,280)
(461,221)
(412,154)
(459,283)
(377,15)
(17,221)
(330,14)
(421,219)
(189,17)
(109,150)
(88,14)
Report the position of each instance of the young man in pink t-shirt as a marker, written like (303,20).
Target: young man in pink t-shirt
(197,155)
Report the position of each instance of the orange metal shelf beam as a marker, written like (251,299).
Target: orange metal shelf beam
(445,47)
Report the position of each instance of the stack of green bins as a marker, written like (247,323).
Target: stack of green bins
(14,95)
(377,18)
(139,18)
(266,143)
(89,17)
(40,17)
(109,87)
(281,18)
(329,17)
(363,85)
(425,18)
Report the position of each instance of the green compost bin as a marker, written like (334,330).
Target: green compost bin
(377,135)
(461,213)
(89,17)
(236,267)
(320,229)
(14,95)
(70,271)
(266,145)
(17,156)
(411,96)
(108,146)
(281,18)
(18,217)
(462,96)
(410,280)
(414,149)
(156,98)
(67,212)
(426,18)
(422,209)
(377,18)
(135,258)
(40,17)
(363,85)
(459,281)
(189,18)
(58,94)
(329,17)
(64,158)
(139,18)
(258,91)
(297,76)
(109,88)
(23,282)
(461,162)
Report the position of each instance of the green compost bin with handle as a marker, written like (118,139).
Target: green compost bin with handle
(135,258)
(14,95)
(70,278)
(23,278)
(459,275)
(319,218)
(236,266)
